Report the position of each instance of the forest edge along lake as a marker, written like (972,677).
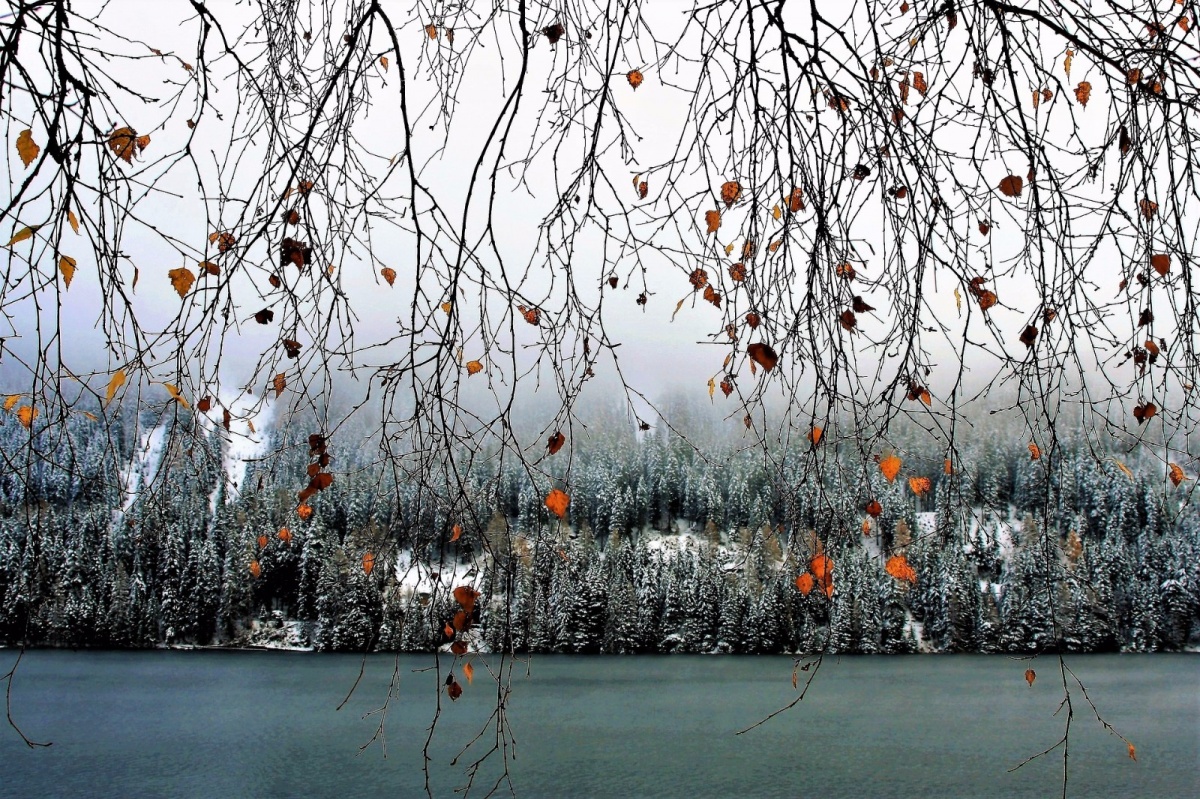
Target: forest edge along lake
(199,724)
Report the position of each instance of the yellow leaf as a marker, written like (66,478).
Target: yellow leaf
(957,301)
(73,220)
(22,234)
(446,306)
(12,401)
(776,212)
(26,414)
(175,395)
(66,265)
(118,380)
(27,148)
(712,387)
(1123,468)
(181,280)
(474,367)
(279,384)
(729,249)
(1176,471)
(1067,61)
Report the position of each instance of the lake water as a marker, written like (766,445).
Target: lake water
(213,724)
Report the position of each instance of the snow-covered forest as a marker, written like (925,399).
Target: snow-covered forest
(670,544)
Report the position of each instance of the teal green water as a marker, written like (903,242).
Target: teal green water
(208,724)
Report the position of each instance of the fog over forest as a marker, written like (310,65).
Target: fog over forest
(674,541)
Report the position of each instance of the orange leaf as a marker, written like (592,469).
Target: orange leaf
(1030,676)
(890,466)
(815,434)
(388,274)
(25,415)
(1177,474)
(1083,92)
(635,78)
(124,143)
(458,647)
(557,502)
(465,595)
(455,533)
(713,220)
(285,535)
(764,355)
(11,401)
(822,568)
(1132,753)
(22,234)
(474,367)
(431,31)
(805,583)
(304,511)
(874,508)
(27,148)
(730,192)
(181,280)
(73,220)
(948,467)
(262,541)
(920,485)
(279,384)
(469,672)
(66,265)
(255,569)
(555,443)
(1011,186)
(368,562)
(1035,452)
(898,567)
(987,299)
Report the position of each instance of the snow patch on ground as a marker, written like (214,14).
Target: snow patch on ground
(414,577)
(917,630)
(276,632)
(240,445)
(141,470)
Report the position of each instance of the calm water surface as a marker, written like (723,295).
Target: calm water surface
(210,724)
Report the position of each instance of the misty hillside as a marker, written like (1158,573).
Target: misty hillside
(666,547)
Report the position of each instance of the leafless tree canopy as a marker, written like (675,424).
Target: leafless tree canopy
(879,209)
